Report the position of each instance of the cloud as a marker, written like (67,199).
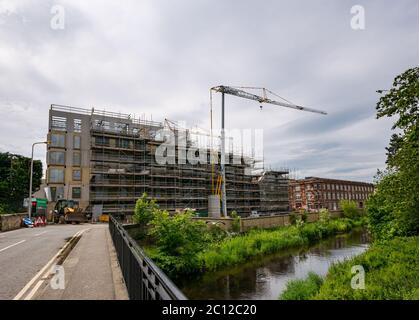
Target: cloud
(161,58)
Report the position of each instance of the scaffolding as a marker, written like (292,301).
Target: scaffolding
(123,167)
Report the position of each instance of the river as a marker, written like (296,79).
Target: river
(266,278)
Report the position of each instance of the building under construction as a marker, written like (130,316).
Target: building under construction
(107,160)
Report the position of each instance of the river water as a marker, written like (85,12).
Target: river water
(266,278)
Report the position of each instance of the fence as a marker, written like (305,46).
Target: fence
(144,280)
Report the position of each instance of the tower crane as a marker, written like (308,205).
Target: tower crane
(239,92)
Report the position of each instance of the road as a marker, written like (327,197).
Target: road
(24,252)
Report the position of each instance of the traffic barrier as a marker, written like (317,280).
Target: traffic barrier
(40,222)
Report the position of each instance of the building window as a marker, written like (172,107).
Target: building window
(76,193)
(57,140)
(77,125)
(76,142)
(59,123)
(102,141)
(57,193)
(56,157)
(56,175)
(76,159)
(123,143)
(76,175)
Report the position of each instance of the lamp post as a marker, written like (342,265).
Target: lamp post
(30,179)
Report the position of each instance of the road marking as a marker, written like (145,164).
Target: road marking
(46,267)
(1,250)
(38,234)
(34,290)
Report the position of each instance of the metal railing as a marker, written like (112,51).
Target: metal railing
(143,278)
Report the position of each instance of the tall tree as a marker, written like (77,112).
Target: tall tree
(14,180)
(394,208)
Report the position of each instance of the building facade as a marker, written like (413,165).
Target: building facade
(106,161)
(313,193)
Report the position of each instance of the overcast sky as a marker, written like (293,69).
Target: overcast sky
(160,58)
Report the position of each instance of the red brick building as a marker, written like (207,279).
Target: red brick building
(313,193)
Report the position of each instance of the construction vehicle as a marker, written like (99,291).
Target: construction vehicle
(68,211)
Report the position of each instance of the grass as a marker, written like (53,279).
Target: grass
(391,273)
(302,289)
(255,243)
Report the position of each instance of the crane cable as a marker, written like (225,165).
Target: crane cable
(264,90)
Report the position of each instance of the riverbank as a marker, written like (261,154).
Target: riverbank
(391,273)
(266,277)
(255,243)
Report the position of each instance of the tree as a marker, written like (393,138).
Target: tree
(179,238)
(402,100)
(14,180)
(144,210)
(393,210)
(349,208)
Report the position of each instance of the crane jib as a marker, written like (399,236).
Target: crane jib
(246,95)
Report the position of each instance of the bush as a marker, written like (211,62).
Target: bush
(391,272)
(3,209)
(144,210)
(235,227)
(216,233)
(349,208)
(304,215)
(393,210)
(293,218)
(178,241)
(324,215)
(302,289)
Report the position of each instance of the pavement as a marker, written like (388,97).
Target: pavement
(85,252)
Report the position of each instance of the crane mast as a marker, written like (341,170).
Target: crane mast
(238,92)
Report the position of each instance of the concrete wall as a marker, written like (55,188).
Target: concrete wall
(265,222)
(11,221)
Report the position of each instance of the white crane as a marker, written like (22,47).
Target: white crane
(238,92)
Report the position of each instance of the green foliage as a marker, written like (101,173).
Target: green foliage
(258,242)
(391,272)
(293,218)
(182,245)
(235,227)
(402,100)
(216,233)
(299,222)
(302,289)
(304,215)
(178,240)
(144,210)
(14,180)
(349,208)
(324,215)
(393,210)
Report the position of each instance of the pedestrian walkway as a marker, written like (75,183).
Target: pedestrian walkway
(91,270)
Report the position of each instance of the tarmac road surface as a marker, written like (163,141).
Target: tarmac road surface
(24,252)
